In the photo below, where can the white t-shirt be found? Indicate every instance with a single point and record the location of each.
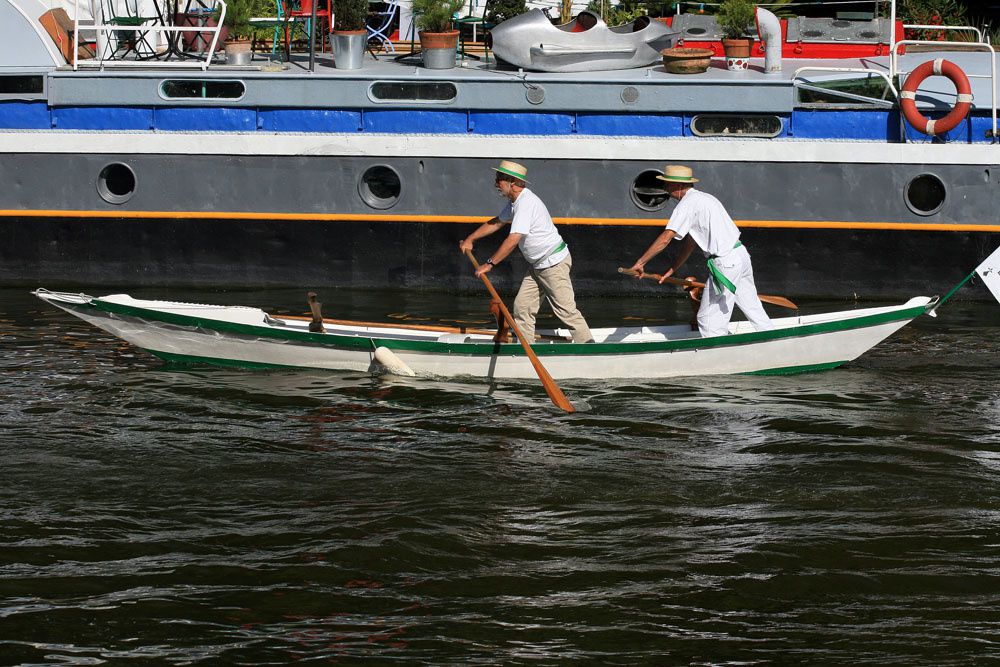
(528, 216)
(703, 216)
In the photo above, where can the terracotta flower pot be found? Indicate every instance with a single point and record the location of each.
(737, 53)
(439, 48)
(681, 60)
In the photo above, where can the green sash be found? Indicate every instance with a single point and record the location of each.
(722, 281)
(556, 249)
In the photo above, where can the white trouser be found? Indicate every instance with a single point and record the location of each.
(717, 302)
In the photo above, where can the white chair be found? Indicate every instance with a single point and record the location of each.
(380, 26)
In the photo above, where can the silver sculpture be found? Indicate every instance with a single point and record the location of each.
(585, 44)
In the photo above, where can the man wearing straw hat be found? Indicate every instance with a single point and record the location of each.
(549, 261)
(700, 219)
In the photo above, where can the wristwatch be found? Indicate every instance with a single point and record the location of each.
(490, 262)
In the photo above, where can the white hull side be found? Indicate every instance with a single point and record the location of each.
(801, 352)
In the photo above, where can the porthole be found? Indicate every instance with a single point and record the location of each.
(22, 85)
(380, 186)
(413, 91)
(648, 192)
(727, 125)
(925, 194)
(116, 183)
(202, 89)
(630, 94)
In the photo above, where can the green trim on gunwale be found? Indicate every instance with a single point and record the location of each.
(507, 349)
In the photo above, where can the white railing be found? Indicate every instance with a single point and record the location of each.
(893, 72)
(184, 59)
(980, 45)
(859, 70)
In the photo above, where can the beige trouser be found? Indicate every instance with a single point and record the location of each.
(554, 282)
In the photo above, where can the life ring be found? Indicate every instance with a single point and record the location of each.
(922, 123)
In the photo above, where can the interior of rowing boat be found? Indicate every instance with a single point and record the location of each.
(440, 333)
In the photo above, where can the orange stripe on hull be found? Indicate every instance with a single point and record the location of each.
(474, 219)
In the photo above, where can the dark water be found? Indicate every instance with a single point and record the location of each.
(180, 515)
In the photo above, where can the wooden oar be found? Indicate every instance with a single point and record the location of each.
(551, 388)
(776, 300)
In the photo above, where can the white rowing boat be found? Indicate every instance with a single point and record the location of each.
(249, 337)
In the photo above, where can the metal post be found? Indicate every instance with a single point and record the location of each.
(312, 37)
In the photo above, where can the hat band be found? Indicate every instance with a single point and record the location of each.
(686, 179)
(511, 173)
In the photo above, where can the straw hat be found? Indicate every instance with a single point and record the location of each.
(513, 169)
(675, 173)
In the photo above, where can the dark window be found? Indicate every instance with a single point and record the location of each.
(925, 194)
(116, 183)
(414, 91)
(202, 89)
(21, 85)
(648, 192)
(380, 187)
(716, 125)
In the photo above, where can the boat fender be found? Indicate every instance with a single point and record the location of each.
(392, 363)
(769, 30)
(938, 66)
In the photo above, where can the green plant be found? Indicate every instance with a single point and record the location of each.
(349, 15)
(238, 13)
(931, 12)
(501, 10)
(625, 12)
(735, 17)
(436, 15)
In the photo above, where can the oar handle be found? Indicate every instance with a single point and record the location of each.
(766, 298)
(657, 277)
(551, 388)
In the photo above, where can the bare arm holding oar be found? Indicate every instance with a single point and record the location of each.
(658, 246)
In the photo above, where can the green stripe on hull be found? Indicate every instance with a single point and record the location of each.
(793, 370)
(229, 363)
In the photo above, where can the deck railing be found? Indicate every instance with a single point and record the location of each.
(977, 45)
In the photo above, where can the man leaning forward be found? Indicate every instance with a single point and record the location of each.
(548, 257)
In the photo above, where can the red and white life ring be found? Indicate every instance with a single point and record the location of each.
(922, 123)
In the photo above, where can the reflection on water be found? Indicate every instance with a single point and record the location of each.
(184, 514)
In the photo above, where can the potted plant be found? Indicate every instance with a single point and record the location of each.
(349, 35)
(734, 18)
(238, 32)
(438, 39)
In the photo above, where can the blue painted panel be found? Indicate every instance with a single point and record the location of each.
(102, 118)
(875, 125)
(25, 116)
(631, 125)
(308, 120)
(205, 119)
(521, 123)
(971, 130)
(980, 126)
(428, 122)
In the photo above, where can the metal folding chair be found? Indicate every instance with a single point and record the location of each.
(380, 26)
